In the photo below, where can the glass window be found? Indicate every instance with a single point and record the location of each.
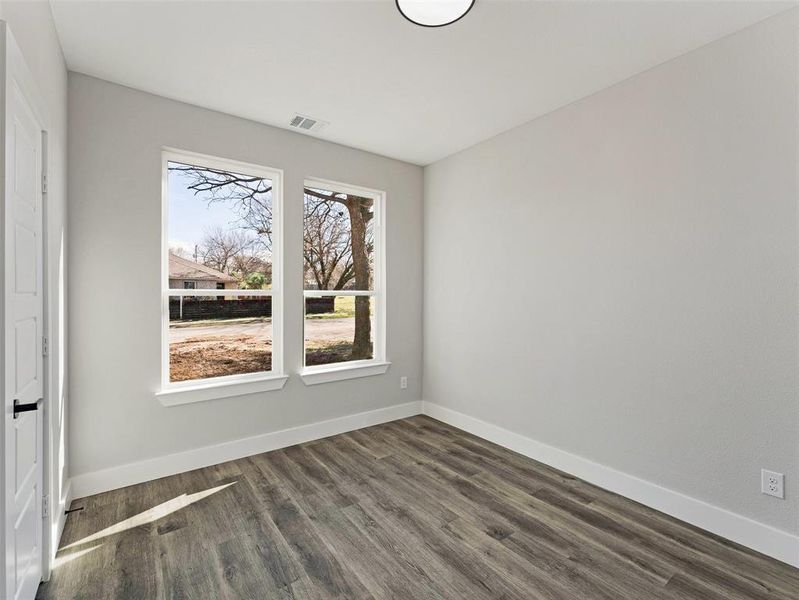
(341, 283)
(220, 235)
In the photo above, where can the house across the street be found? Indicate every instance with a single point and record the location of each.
(189, 275)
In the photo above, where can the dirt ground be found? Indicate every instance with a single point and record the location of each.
(198, 358)
(201, 352)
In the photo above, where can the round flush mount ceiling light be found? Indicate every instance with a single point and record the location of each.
(434, 13)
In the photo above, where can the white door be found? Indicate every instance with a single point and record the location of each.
(23, 300)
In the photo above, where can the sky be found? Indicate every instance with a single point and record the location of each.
(191, 216)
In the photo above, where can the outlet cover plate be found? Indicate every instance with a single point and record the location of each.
(772, 483)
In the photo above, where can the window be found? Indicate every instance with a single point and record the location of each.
(221, 232)
(343, 282)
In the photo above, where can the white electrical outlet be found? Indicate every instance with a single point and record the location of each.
(772, 484)
(403, 383)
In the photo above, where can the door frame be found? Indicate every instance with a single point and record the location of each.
(14, 68)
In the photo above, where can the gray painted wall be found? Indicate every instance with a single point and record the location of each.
(618, 279)
(116, 136)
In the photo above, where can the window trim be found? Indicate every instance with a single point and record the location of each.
(378, 364)
(198, 390)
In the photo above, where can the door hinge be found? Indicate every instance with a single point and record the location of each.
(44, 183)
(45, 506)
(44, 346)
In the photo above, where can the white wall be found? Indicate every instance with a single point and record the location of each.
(618, 279)
(32, 26)
(116, 136)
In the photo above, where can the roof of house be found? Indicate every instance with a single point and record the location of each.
(183, 268)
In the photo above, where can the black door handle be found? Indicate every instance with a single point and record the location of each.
(20, 408)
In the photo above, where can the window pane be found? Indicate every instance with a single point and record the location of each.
(220, 229)
(338, 329)
(214, 336)
(338, 241)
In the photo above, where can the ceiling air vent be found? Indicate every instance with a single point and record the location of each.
(304, 123)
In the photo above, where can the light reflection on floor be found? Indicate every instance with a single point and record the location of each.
(63, 559)
(148, 516)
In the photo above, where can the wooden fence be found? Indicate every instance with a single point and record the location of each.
(199, 309)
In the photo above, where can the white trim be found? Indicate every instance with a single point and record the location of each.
(200, 390)
(112, 478)
(172, 393)
(60, 519)
(342, 371)
(55, 523)
(329, 185)
(763, 538)
(758, 536)
(328, 293)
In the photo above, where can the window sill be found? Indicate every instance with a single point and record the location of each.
(353, 370)
(200, 392)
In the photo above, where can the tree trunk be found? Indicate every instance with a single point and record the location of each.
(359, 216)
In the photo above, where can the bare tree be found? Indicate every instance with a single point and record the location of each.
(336, 252)
(333, 248)
(219, 248)
(250, 197)
(361, 214)
(179, 251)
(327, 244)
(246, 265)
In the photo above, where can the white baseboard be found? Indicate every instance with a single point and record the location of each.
(87, 484)
(760, 537)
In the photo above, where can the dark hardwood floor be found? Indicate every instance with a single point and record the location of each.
(411, 509)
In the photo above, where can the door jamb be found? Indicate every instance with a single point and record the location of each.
(47, 406)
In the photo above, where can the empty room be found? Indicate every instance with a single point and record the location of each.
(400, 299)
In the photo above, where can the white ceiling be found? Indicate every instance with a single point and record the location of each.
(386, 85)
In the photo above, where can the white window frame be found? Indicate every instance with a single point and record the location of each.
(198, 390)
(378, 364)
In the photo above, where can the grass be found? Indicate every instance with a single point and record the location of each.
(344, 307)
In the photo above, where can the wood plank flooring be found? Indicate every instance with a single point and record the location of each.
(411, 509)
